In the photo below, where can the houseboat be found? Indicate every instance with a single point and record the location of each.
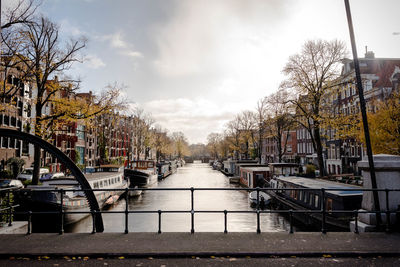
(46, 197)
(255, 176)
(141, 173)
(163, 169)
(337, 198)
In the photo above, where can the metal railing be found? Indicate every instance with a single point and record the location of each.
(7, 207)
(257, 211)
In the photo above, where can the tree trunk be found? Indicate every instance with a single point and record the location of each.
(319, 151)
(36, 155)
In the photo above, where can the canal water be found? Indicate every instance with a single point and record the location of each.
(197, 175)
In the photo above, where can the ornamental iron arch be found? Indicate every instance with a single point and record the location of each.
(94, 205)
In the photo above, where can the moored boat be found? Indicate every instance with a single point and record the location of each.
(142, 173)
(47, 197)
(263, 199)
(163, 169)
(337, 197)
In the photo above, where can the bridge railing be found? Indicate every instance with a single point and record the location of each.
(258, 210)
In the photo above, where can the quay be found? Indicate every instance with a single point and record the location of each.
(185, 245)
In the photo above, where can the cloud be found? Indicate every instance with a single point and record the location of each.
(203, 36)
(94, 62)
(117, 41)
(71, 29)
(195, 118)
(134, 54)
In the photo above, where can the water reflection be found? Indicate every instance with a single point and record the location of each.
(191, 175)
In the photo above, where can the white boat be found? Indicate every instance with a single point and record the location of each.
(40, 198)
(142, 173)
(264, 198)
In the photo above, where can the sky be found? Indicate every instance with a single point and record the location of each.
(193, 65)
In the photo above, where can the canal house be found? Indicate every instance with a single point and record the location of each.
(254, 176)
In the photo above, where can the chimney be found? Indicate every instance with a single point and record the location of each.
(369, 54)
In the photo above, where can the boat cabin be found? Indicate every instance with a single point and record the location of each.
(335, 197)
(254, 176)
(284, 169)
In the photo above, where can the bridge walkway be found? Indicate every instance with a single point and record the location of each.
(139, 245)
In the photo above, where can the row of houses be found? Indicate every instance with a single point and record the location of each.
(107, 138)
(380, 78)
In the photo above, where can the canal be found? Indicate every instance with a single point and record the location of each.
(197, 175)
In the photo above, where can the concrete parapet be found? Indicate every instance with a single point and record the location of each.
(387, 170)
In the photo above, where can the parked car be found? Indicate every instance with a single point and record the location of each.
(4, 183)
(49, 176)
(28, 173)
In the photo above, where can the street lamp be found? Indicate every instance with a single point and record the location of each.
(363, 113)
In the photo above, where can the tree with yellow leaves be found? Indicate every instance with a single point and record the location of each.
(37, 48)
(384, 126)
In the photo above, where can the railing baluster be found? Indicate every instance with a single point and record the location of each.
(126, 210)
(226, 221)
(387, 211)
(159, 221)
(258, 222)
(258, 198)
(323, 210)
(291, 221)
(29, 223)
(192, 210)
(61, 212)
(356, 221)
(9, 209)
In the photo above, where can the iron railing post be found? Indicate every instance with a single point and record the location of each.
(159, 221)
(291, 221)
(323, 210)
(61, 212)
(9, 209)
(258, 222)
(29, 223)
(258, 197)
(387, 211)
(192, 210)
(126, 210)
(225, 221)
(356, 221)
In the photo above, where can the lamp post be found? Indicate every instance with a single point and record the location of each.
(363, 112)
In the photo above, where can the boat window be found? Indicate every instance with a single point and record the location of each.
(301, 195)
(96, 185)
(101, 183)
(305, 196)
(311, 199)
(316, 201)
(119, 179)
(329, 204)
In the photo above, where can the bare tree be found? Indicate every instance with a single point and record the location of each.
(232, 133)
(310, 74)
(141, 124)
(180, 143)
(38, 49)
(279, 120)
(161, 141)
(247, 124)
(213, 140)
(20, 12)
(260, 117)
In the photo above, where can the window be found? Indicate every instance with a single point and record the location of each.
(316, 201)
(311, 199)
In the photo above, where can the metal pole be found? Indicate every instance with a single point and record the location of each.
(364, 114)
